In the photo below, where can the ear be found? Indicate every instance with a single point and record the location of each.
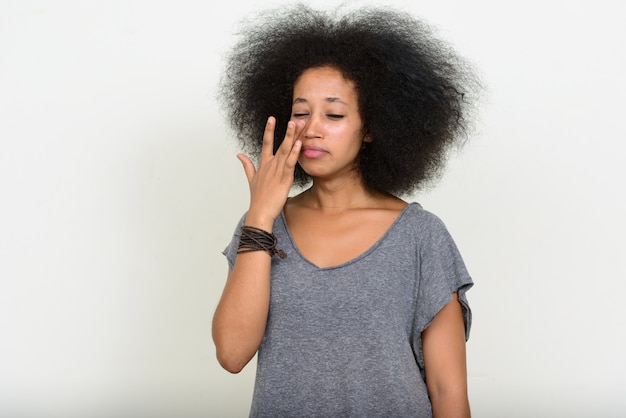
(367, 138)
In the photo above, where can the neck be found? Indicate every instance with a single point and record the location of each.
(324, 196)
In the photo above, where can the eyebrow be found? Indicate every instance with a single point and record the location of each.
(328, 99)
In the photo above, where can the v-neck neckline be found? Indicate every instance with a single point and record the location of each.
(355, 259)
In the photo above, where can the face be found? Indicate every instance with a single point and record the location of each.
(333, 135)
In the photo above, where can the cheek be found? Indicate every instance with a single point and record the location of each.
(357, 139)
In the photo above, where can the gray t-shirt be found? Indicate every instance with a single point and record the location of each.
(345, 341)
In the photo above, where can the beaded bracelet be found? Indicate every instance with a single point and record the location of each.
(256, 239)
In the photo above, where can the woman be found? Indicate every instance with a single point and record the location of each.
(353, 298)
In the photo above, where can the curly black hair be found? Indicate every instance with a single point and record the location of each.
(415, 93)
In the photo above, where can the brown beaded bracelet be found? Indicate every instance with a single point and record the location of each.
(256, 239)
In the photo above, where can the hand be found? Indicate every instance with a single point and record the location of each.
(271, 182)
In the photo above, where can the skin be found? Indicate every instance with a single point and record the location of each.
(333, 222)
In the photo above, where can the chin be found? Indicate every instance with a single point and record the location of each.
(310, 169)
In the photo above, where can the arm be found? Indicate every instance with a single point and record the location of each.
(443, 345)
(240, 318)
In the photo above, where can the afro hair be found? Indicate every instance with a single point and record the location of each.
(415, 93)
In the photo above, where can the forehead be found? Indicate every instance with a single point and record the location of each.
(324, 82)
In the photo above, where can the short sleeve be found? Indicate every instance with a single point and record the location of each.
(441, 271)
(231, 249)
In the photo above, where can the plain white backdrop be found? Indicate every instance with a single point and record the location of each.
(119, 188)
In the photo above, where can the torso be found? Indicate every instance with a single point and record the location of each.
(345, 339)
(330, 237)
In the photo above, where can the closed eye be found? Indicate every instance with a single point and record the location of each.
(335, 116)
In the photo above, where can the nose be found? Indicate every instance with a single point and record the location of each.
(312, 127)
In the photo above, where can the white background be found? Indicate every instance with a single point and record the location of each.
(119, 188)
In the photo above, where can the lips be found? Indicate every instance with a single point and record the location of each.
(313, 152)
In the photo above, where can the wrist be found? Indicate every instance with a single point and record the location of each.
(265, 223)
(256, 239)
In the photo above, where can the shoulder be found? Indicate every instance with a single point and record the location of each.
(424, 228)
(421, 218)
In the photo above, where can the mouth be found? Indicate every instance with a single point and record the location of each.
(313, 152)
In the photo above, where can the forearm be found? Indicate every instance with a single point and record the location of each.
(241, 315)
(451, 405)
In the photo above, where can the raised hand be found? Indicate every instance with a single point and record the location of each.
(271, 182)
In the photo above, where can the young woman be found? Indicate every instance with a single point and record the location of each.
(353, 298)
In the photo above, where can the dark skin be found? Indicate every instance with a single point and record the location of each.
(334, 221)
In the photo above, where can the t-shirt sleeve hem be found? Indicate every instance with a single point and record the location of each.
(461, 291)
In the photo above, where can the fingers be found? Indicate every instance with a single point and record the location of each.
(287, 144)
(289, 151)
(267, 150)
(248, 166)
(294, 129)
(286, 149)
(292, 158)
